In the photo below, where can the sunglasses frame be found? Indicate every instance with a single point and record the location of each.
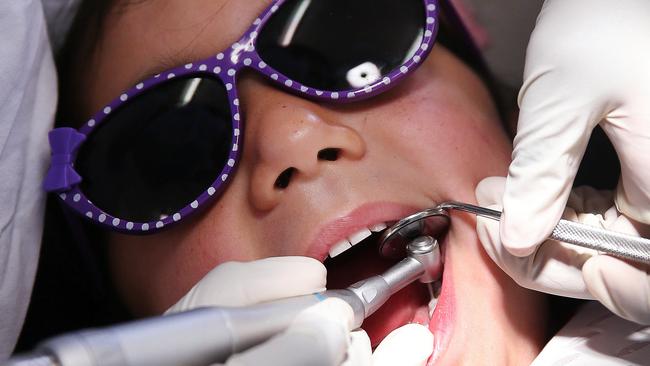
(225, 65)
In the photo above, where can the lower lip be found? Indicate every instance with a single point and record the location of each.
(442, 319)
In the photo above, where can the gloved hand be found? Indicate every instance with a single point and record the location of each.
(568, 270)
(587, 63)
(320, 335)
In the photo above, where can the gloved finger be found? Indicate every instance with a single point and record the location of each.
(556, 118)
(247, 283)
(622, 287)
(360, 350)
(408, 345)
(553, 268)
(318, 336)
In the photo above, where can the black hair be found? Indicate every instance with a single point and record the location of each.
(80, 44)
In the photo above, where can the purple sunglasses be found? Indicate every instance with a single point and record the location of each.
(178, 133)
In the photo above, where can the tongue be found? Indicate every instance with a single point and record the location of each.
(363, 261)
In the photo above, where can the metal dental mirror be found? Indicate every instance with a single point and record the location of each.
(435, 221)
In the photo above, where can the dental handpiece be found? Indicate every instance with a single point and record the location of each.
(211, 334)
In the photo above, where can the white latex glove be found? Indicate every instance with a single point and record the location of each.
(408, 345)
(568, 270)
(249, 283)
(588, 62)
(320, 335)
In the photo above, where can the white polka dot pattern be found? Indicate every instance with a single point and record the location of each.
(225, 66)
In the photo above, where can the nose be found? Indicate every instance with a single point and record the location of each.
(290, 140)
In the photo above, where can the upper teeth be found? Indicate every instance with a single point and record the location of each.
(355, 238)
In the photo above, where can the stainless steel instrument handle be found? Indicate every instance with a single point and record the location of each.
(621, 245)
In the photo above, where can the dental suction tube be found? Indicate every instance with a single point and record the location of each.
(211, 334)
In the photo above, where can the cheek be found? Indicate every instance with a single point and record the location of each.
(453, 135)
(152, 272)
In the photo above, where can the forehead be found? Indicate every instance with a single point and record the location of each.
(176, 27)
(142, 38)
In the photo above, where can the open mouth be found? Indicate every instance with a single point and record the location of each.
(357, 257)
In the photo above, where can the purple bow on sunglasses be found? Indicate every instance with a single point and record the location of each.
(169, 145)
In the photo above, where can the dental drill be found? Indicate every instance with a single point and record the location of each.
(208, 335)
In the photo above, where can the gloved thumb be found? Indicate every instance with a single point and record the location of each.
(554, 268)
(408, 345)
(247, 283)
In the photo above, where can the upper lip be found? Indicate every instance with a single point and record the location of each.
(342, 227)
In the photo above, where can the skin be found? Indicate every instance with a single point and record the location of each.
(430, 139)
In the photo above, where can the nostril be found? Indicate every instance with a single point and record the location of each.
(329, 154)
(283, 180)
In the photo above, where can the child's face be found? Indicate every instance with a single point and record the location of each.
(430, 139)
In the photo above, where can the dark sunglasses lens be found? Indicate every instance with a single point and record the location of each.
(341, 44)
(158, 152)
